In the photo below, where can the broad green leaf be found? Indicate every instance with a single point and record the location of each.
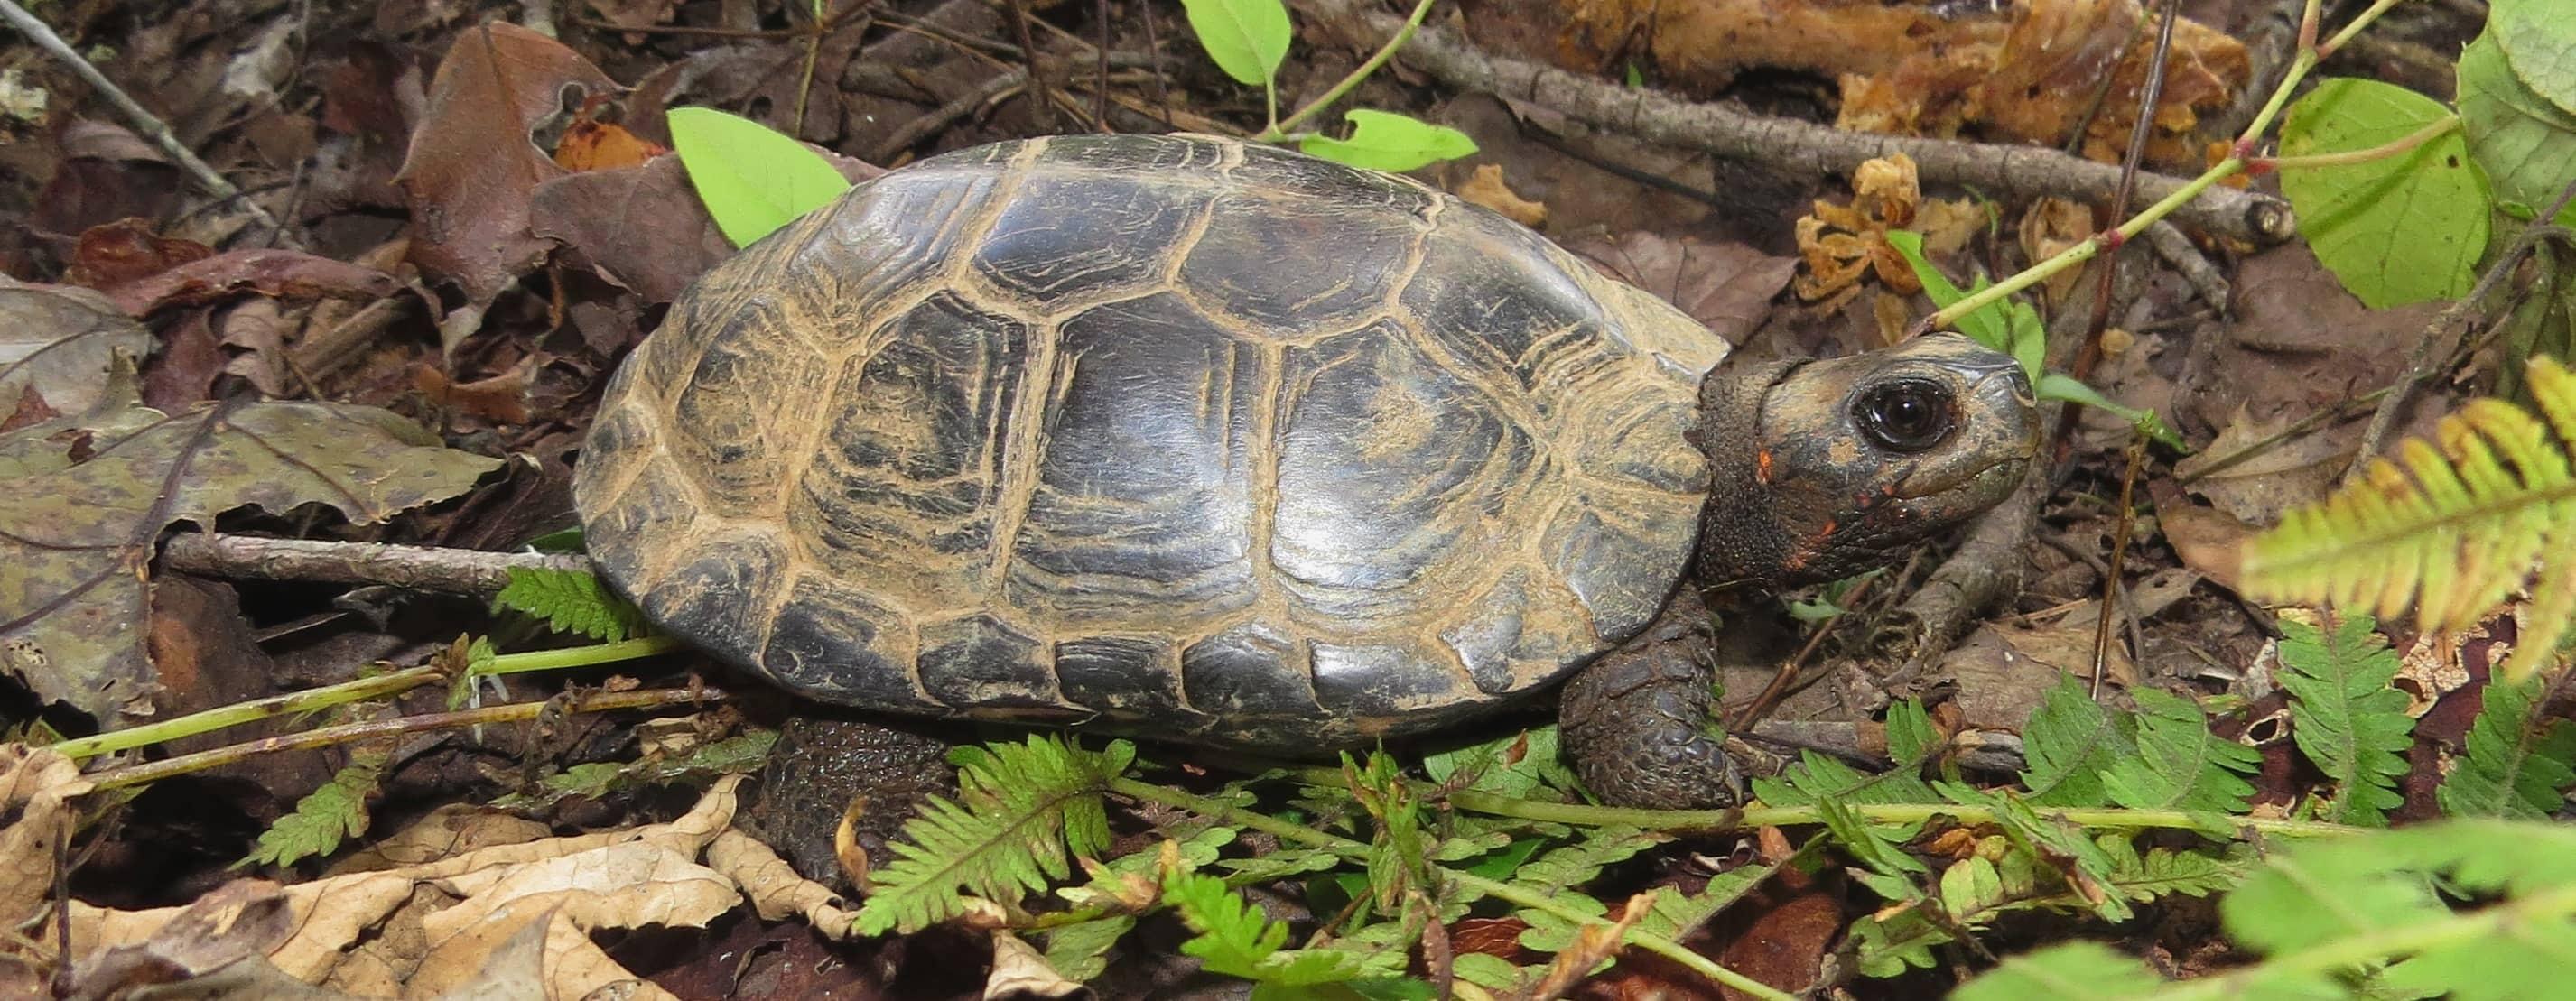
(2524, 142)
(2060, 386)
(1245, 38)
(2540, 43)
(1383, 140)
(2396, 230)
(753, 180)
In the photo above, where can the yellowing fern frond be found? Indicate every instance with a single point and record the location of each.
(2448, 531)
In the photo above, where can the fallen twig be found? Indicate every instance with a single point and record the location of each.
(2005, 171)
(143, 120)
(457, 571)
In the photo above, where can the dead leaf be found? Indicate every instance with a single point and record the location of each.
(773, 886)
(451, 830)
(2050, 226)
(127, 250)
(1020, 971)
(59, 342)
(500, 399)
(254, 333)
(1486, 187)
(592, 144)
(1726, 286)
(280, 274)
(472, 168)
(240, 921)
(183, 373)
(2283, 475)
(37, 790)
(633, 13)
(2000, 671)
(72, 562)
(643, 227)
(2208, 541)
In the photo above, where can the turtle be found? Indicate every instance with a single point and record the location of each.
(1208, 441)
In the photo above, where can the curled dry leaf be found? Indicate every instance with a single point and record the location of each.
(1841, 243)
(236, 925)
(281, 274)
(773, 886)
(72, 558)
(57, 342)
(37, 790)
(372, 933)
(1020, 971)
(472, 169)
(1727, 286)
(1486, 187)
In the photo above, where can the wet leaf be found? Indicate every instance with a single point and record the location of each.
(2523, 141)
(58, 342)
(2396, 230)
(78, 538)
(752, 179)
(1245, 38)
(1384, 140)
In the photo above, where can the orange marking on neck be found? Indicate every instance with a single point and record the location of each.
(1762, 465)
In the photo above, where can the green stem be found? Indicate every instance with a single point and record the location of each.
(1356, 851)
(1906, 813)
(2431, 131)
(1278, 129)
(346, 692)
(2300, 66)
(149, 772)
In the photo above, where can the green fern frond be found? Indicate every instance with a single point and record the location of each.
(2070, 743)
(1911, 741)
(2344, 715)
(1235, 939)
(2180, 765)
(571, 601)
(2450, 531)
(2517, 760)
(323, 817)
(1022, 812)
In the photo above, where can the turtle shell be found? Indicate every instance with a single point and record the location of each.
(1183, 435)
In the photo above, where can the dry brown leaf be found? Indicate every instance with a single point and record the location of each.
(279, 274)
(256, 331)
(1486, 187)
(2283, 475)
(1020, 971)
(451, 830)
(1726, 286)
(37, 787)
(2050, 226)
(773, 886)
(472, 169)
(500, 399)
(1840, 243)
(127, 250)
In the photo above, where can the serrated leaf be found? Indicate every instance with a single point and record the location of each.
(2343, 714)
(1080, 951)
(736, 755)
(2087, 970)
(2069, 743)
(1523, 765)
(752, 179)
(2516, 763)
(1817, 777)
(571, 601)
(322, 818)
(1236, 939)
(2077, 861)
(1384, 140)
(1022, 811)
(2540, 44)
(1888, 945)
(1245, 38)
(2395, 230)
(78, 537)
(2180, 765)
(2524, 141)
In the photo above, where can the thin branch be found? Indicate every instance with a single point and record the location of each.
(458, 571)
(2003, 171)
(143, 120)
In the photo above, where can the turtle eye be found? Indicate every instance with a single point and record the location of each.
(1906, 415)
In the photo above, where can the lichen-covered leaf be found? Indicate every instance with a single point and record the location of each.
(75, 541)
(58, 343)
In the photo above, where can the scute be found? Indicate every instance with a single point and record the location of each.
(1185, 435)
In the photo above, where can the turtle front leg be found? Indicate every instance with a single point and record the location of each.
(1636, 722)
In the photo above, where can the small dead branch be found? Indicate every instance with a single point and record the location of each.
(2019, 172)
(1986, 569)
(143, 120)
(2205, 279)
(458, 571)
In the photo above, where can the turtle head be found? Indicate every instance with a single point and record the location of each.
(1824, 469)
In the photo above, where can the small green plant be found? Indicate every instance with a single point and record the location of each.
(1248, 39)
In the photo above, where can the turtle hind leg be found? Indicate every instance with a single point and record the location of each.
(1637, 722)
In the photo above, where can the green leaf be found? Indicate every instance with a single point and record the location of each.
(2517, 760)
(2010, 326)
(1236, 939)
(2540, 43)
(752, 179)
(2059, 386)
(2396, 230)
(1911, 741)
(1522, 765)
(2180, 765)
(1383, 140)
(1245, 38)
(322, 818)
(2069, 743)
(734, 755)
(1080, 951)
(2344, 716)
(2087, 970)
(572, 601)
(2522, 140)
(1022, 810)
